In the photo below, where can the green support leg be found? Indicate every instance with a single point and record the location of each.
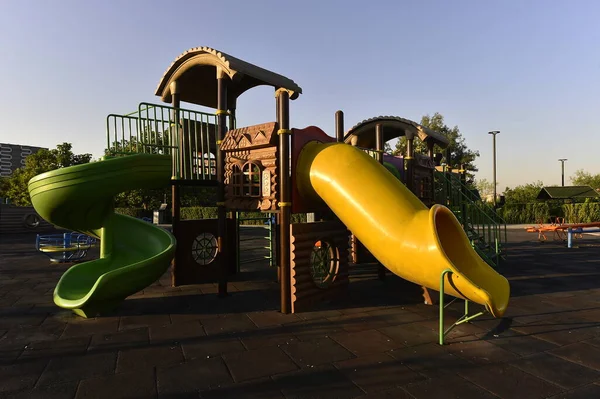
(465, 318)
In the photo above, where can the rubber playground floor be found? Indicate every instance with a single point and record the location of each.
(380, 342)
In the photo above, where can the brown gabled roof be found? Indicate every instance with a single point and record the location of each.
(363, 133)
(196, 73)
(567, 192)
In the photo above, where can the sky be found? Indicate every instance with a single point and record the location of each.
(529, 69)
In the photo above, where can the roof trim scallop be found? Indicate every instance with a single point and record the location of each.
(196, 72)
(363, 133)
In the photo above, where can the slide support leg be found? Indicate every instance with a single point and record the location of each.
(465, 318)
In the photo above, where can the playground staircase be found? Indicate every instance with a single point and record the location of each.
(484, 227)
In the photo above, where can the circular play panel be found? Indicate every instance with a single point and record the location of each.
(324, 261)
(204, 248)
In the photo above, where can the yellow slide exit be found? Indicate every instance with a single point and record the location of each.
(414, 242)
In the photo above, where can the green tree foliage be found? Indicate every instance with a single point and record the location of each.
(149, 142)
(15, 186)
(485, 188)
(583, 178)
(460, 154)
(388, 148)
(147, 199)
(523, 194)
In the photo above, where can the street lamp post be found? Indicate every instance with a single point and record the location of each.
(562, 161)
(494, 133)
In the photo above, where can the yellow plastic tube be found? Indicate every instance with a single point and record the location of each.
(414, 242)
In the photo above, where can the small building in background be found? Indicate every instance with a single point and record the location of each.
(567, 193)
(12, 156)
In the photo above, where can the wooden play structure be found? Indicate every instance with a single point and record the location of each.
(252, 171)
(360, 197)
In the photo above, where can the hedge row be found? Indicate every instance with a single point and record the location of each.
(535, 212)
(206, 212)
(525, 213)
(582, 213)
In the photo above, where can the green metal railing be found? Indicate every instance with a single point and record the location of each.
(269, 236)
(485, 229)
(465, 318)
(188, 135)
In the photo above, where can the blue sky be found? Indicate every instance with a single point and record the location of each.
(527, 68)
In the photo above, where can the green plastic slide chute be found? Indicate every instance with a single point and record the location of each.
(133, 253)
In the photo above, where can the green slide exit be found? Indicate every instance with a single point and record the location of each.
(133, 253)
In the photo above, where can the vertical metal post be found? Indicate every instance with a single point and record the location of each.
(463, 202)
(237, 241)
(339, 126)
(66, 244)
(175, 188)
(232, 121)
(222, 221)
(441, 327)
(409, 160)
(271, 223)
(494, 133)
(283, 119)
(430, 154)
(381, 270)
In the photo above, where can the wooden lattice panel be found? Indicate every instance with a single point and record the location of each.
(307, 241)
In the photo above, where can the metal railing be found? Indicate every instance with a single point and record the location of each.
(188, 136)
(268, 236)
(484, 227)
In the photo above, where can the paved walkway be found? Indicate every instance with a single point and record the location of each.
(379, 343)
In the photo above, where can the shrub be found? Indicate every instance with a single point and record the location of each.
(526, 213)
(135, 212)
(586, 212)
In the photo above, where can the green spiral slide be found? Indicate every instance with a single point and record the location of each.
(133, 253)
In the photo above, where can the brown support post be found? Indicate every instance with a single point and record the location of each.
(175, 189)
(283, 119)
(339, 126)
(430, 153)
(222, 221)
(409, 160)
(381, 270)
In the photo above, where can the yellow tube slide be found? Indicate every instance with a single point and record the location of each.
(414, 242)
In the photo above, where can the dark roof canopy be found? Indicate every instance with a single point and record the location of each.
(567, 192)
(196, 74)
(363, 133)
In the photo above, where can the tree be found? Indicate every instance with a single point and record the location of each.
(460, 154)
(388, 148)
(524, 193)
(485, 188)
(583, 178)
(15, 186)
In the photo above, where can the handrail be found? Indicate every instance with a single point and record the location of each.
(475, 216)
(189, 136)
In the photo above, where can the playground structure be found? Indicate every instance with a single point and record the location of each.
(21, 219)
(272, 168)
(65, 247)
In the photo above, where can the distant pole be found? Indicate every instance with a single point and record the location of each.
(562, 161)
(494, 133)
